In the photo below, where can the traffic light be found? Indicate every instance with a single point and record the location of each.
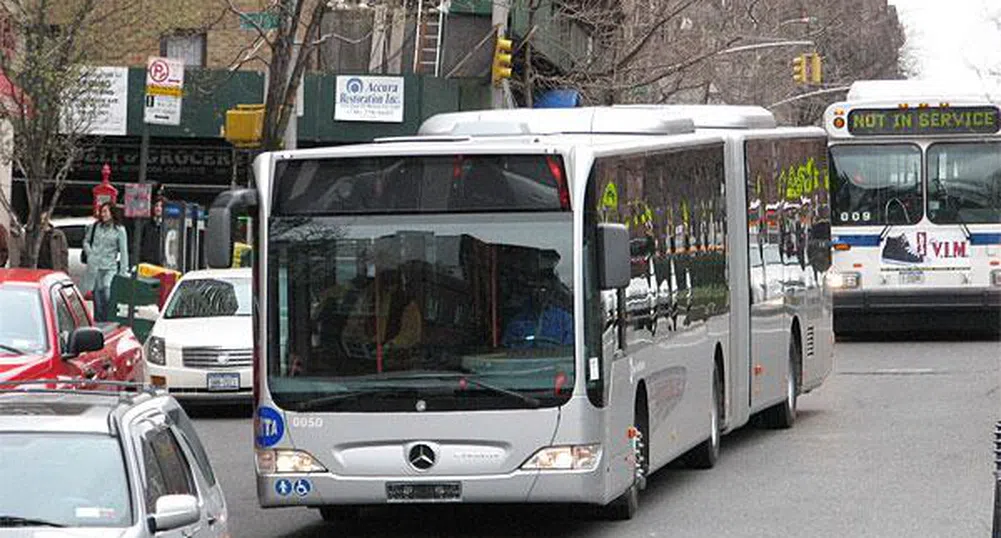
(502, 60)
(799, 69)
(815, 69)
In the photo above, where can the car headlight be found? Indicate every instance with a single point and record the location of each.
(565, 458)
(156, 352)
(996, 277)
(287, 462)
(848, 280)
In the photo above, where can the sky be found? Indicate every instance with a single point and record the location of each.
(951, 39)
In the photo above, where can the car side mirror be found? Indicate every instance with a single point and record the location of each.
(174, 512)
(613, 254)
(84, 339)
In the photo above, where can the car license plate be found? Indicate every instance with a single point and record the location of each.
(220, 381)
(911, 277)
(412, 492)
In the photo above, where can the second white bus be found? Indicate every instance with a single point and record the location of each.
(916, 195)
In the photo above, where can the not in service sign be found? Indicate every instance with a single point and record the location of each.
(369, 99)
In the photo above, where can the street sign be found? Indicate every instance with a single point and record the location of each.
(164, 87)
(137, 200)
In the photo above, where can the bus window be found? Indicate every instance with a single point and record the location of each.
(964, 183)
(876, 184)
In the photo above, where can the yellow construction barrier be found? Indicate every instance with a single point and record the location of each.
(148, 270)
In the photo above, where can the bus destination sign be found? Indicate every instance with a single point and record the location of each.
(924, 121)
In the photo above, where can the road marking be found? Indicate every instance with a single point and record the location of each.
(895, 371)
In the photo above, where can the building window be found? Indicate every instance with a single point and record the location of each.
(186, 46)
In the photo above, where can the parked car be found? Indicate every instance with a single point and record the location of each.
(47, 332)
(74, 228)
(104, 463)
(201, 346)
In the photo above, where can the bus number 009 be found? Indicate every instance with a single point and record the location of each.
(856, 216)
(307, 422)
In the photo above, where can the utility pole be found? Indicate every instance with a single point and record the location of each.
(499, 20)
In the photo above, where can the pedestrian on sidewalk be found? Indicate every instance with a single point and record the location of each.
(54, 251)
(150, 251)
(105, 245)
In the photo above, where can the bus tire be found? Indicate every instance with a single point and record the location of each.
(343, 515)
(706, 454)
(783, 414)
(624, 506)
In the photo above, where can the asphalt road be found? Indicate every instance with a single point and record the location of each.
(898, 442)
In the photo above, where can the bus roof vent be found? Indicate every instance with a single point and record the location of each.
(718, 116)
(931, 91)
(527, 121)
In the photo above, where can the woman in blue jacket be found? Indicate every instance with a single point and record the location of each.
(105, 245)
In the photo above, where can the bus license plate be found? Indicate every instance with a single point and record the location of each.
(404, 492)
(223, 381)
(911, 277)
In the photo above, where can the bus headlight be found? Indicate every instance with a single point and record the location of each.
(565, 458)
(846, 281)
(996, 277)
(287, 462)
(156, 352)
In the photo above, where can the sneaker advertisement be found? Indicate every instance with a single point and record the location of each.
(935, 249)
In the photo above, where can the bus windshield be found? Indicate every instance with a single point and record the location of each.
(405, 310)
(876, 184)
(964, 183)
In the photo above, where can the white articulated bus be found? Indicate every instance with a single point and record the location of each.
(916, 197)
(527, 306)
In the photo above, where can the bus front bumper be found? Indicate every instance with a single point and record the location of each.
(893, 309)
(326, 489)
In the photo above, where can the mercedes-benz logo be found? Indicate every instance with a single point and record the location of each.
(421, 457)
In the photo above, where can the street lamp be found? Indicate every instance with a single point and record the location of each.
(771, 45)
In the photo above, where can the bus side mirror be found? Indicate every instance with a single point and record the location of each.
(613, 251)
(219, 230)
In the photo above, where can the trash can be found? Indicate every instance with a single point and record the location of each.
(146, 294)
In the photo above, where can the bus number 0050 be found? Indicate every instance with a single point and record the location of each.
(307, 422)
(864, 216)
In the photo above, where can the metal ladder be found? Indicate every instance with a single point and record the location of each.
(427, 41)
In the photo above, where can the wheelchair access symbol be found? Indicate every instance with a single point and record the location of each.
(302, 487)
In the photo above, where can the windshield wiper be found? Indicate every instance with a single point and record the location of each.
(312, 405)
(18, 521)
(12, 349)
(473, 378)
(959, 217)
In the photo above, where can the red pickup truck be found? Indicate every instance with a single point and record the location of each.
(47, 332)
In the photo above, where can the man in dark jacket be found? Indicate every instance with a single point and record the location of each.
(149, 250)
(54, 250)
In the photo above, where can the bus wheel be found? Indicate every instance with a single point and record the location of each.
(705, 455)
(340, 514)
(783, 415)
(625, 506)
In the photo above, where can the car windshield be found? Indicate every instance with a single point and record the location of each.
(964, 183)
(24, 333)
(70, 480)
(210, 297)
(876, 184)
(403, 303)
